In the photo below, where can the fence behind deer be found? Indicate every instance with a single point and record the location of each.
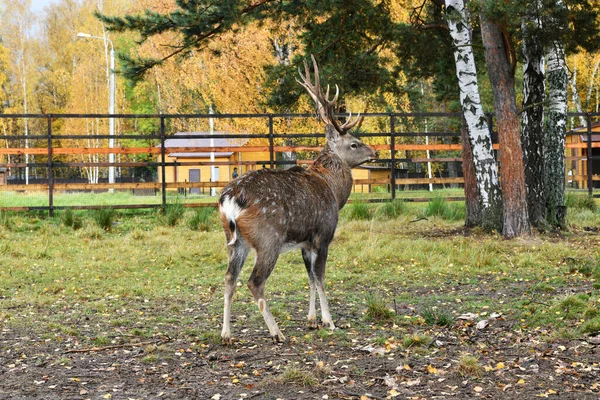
(50, 162)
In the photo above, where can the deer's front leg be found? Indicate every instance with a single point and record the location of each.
(319, 271)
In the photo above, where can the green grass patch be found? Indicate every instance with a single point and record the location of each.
(377, 309)
(469, 366)
(359, 210)
(433, 315)
(297, 376)
(415, 340)
(174, 212)
(203, 219)
(580, 201)
(438, 206)
(392, 209)
(104, 218)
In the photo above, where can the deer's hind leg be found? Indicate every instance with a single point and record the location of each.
(309, 256)
(265, 263)
(237, 254)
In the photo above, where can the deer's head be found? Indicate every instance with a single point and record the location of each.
(351, 150)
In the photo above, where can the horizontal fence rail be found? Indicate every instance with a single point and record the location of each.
(72, 154)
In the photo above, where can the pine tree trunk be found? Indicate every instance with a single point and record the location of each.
(485, 169)
(514, 194)
(532, 135)
(554, 145)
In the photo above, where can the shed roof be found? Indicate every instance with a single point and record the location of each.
(180, 139)
(582, 130)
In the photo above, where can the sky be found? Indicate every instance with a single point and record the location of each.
(38, 5)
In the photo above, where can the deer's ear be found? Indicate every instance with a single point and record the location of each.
(331, 133)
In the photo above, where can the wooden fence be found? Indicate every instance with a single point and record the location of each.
(397, 147)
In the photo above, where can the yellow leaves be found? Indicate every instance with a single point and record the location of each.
(432, 370)
(547, 393)
(521, 381)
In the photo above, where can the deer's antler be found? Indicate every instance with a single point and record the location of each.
(325, 107)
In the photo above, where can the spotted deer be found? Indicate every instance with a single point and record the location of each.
(274, 211)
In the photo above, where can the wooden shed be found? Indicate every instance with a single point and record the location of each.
(3, 175)
(195, 165)
(577, 153)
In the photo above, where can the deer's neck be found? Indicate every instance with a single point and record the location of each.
(336, 173)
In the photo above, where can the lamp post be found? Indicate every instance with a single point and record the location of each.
(111, 102)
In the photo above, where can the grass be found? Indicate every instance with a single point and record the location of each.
(202, 219)
(174, 212)
(392, 209)
(433, 315)
(297, 376)
(438, 206)
(360, 210)
(580, 201)
(104, 218)
(377, 309)
(144, 277)
(469, 366)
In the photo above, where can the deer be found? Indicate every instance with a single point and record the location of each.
(274, 211)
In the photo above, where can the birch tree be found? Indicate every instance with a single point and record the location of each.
(556, 126)
(480, 141)
(532, 117)
(16, 26)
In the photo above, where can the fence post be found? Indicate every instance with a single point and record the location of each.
(50, 172)
(589, 155)
(163, 172)
(271, 143)
(393, 154)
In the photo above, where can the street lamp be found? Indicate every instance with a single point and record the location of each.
(111, 102)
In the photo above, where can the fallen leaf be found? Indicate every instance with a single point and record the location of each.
(478, 389)
(482, 324)
(390, 381)
(467, 316)
(432, 370)
(500, 365)
(594, 340)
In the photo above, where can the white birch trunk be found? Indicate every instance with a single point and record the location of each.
(554, 153)
(576, 98)
(486, 172)
(591, 85)
(532, 132)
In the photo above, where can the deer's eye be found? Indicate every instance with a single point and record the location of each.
(354, 145)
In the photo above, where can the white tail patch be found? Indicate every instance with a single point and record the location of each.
(232, 211)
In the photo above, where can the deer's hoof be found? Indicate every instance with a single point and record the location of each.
(312, 324)
(227, 340)
(278, 338)
(328, 325)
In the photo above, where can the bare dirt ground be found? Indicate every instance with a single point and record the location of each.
(360, 360)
